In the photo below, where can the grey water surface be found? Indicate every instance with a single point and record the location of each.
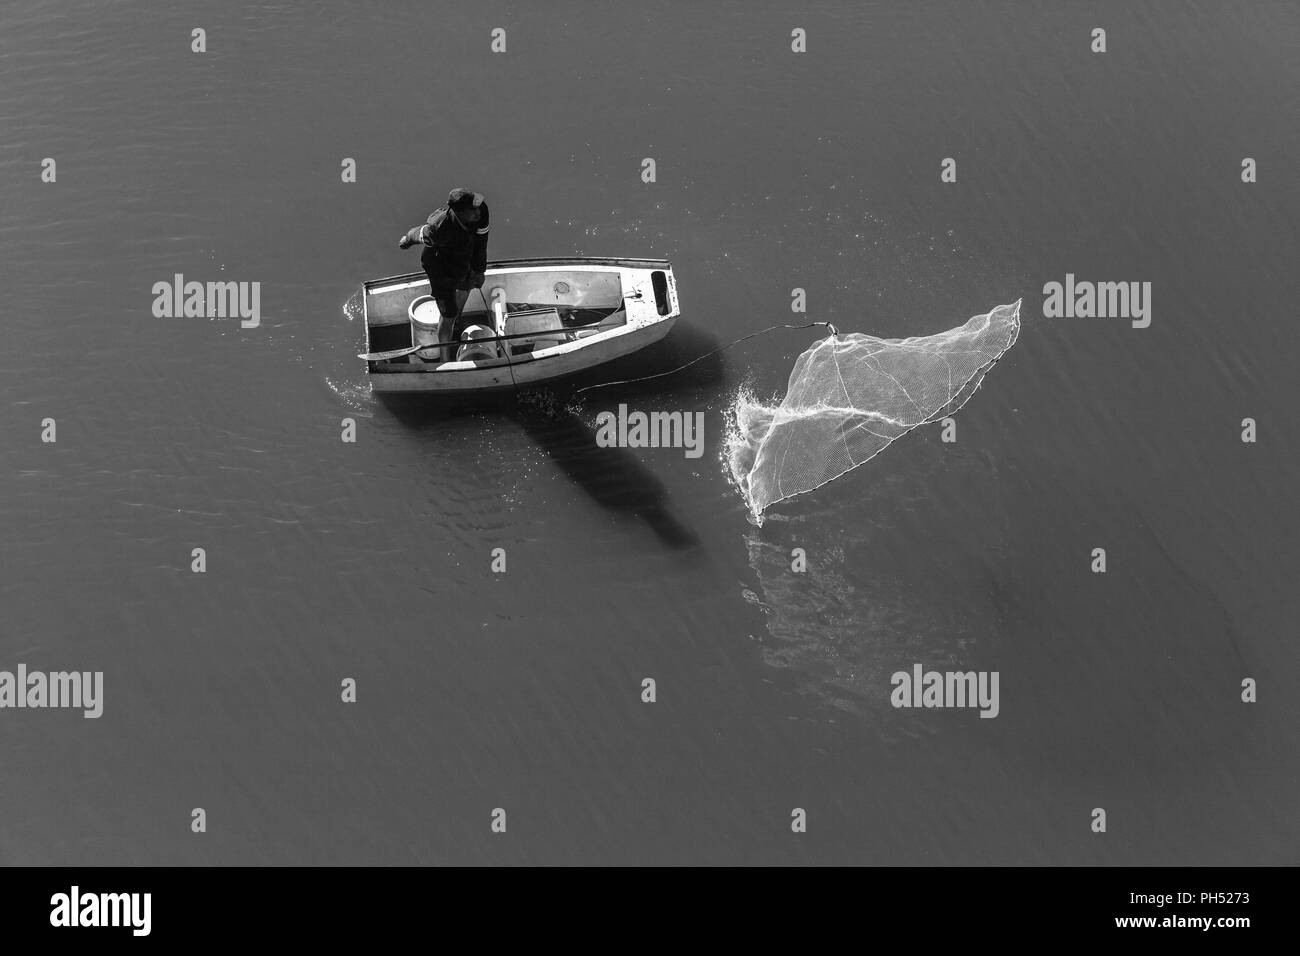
(522, 691)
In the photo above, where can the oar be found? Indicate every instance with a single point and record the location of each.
(395, 353)
(599, 326)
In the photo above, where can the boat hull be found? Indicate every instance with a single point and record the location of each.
(612, 308)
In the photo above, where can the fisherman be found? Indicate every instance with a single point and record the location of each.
(455, 242)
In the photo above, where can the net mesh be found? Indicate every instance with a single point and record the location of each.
(850, 396)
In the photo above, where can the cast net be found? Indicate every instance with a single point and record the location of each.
(851, 395)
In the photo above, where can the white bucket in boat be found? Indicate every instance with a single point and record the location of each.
(425, 319)
(472, 351)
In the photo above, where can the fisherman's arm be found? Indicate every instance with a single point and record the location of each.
(419, 235)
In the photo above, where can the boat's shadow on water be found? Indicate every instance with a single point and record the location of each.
(615, 478)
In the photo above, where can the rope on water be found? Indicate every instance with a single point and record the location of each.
(720, 348)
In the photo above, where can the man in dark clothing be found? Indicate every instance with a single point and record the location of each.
(455, 242)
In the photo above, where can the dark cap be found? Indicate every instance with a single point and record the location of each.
(462, 198)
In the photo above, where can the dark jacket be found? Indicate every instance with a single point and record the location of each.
(453, 252)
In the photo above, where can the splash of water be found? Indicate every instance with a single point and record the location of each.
(356, 396)
(354, 307)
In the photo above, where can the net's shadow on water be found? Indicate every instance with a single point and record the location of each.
(960, 561)
(881, 587)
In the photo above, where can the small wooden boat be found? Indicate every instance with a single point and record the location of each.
(533, 321)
